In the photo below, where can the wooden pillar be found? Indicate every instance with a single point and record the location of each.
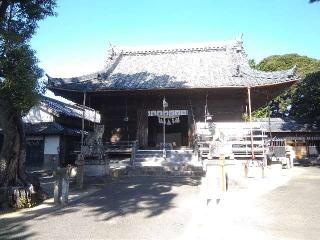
(80, 160)
(191, 123)
(62, 150)
(306, 142)
(142, 127)
(83, 116)
(223, 179)
(250, 120)
(190, 132)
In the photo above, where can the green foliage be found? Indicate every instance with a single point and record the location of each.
(282, 105)
(304, 64)
(306, 99)
(22, 198)
(264, 112)
(19, 73)
(19, 18)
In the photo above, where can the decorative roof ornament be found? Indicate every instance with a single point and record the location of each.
(294, 72)
(238, 46)
(294, 69)
(240, 38)
(237, 71)
(111, 52)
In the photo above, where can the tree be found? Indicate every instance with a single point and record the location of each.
(281, 105)
(19, 75)
(304, 64)
(312, 1)
(305, 103)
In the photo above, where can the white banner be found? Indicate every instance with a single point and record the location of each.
(170, 113)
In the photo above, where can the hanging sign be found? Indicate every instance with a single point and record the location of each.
(167, 113)
(169, 117)
(168, 120)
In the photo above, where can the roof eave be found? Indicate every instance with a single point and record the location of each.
(53, 88)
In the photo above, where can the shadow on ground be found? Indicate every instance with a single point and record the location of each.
(15, 231)
(128, 196)
(150, 195)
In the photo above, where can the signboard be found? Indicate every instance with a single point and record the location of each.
(167, 113)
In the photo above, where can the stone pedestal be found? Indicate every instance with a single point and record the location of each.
(61, 185)
(80, 171)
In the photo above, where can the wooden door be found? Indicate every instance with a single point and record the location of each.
(34, 153)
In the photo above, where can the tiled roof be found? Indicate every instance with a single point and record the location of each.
(206, 65)
(286, 125)
(69, 110)
(50, 128)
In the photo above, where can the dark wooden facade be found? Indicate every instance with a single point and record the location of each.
(115, 110)
(125, 113)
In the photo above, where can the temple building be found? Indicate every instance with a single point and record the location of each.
(302, 137)
(53, 132)
(197, 81)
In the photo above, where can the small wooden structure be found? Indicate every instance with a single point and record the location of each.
(303, 138)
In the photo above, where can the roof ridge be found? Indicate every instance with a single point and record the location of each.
(171, 48)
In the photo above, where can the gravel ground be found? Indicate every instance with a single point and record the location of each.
(285, 207)
(133, 208)
(281, 206)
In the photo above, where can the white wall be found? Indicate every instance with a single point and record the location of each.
(36, 115)
(51, 144)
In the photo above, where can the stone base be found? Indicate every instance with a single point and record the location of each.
(95, 170)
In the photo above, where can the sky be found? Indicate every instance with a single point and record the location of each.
(75, 42)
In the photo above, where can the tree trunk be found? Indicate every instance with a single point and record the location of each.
(10, 154)
(13, 153)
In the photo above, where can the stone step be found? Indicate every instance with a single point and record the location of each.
(170, 159)
(148, 164)
(146, 159)
(187, 157)
(155, 152)
(149, 154)
(160, 153)
(155, 157)
(164, 171)
(169, 166)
